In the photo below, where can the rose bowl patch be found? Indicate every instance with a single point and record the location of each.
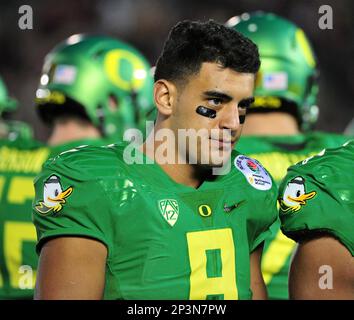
(254, 172)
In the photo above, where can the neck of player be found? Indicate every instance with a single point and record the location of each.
(66, 130)
(182, 173)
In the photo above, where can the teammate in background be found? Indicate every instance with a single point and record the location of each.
(11, 129)
(91, 88)
(105, 81)
(15, 183)
(114, 230)
(317, 210)
(277, 131)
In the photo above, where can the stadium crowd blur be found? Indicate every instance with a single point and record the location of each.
(145, 24)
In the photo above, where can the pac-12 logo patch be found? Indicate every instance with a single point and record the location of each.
(295, 195)
(255, 174)
(54, 197)
(169, 210)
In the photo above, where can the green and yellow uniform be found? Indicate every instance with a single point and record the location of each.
(287, 82)
(20, 162)
(164, 240)
(317, 195)
(277, 153)
(102, 79)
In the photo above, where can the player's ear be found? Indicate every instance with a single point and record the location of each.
(164, 95)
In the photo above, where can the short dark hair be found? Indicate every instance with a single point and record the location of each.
(190, 43)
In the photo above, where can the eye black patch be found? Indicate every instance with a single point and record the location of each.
(206, 112)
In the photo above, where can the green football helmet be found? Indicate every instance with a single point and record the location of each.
(104, 79)
(7, 104)
(287, 79)
(11, 129)
(14, 130)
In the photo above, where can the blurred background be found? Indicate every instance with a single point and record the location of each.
(146, 23)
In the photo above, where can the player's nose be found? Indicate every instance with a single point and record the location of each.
(230, 118)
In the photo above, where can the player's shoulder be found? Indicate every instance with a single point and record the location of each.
(87, 162)
(319, 139)
(22, 155)
(22, 144)
(326, 162)
(316, 195)
(330, 171)
(251, 172)
(249, 179)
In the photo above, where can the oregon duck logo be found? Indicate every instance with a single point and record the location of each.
(53, 196)
(295, 195)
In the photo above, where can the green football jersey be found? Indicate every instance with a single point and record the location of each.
(277, 153)
(165, 240)
(317, 195)
(20, 162)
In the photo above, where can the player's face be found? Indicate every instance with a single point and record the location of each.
(224, 92)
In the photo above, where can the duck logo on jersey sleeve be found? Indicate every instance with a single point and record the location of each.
(295, 195)
(255, 174)
(169, 210)
(54, 197)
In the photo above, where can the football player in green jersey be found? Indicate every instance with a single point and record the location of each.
(277, 129)
(317, 210)
(117, 75)
(21, 158)
(89, 89)
(11, 129)
(164, 230)
(20, 161)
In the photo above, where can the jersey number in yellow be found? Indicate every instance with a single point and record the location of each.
(212, 262)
